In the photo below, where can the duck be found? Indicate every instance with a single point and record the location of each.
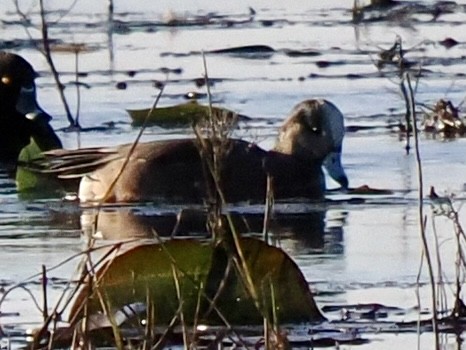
(21, 117)
(176, 170)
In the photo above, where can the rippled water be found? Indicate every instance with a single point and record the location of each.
(349, 253)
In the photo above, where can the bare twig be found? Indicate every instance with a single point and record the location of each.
(131, 150)
(44, 293)
(421, 211)
(268, 208)
(48, 56)
(219, 147)
(78, 88)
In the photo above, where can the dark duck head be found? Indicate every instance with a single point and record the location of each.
(21, 118)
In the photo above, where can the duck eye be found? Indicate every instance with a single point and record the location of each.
(6, 80)
(313, 124)
(315, 129)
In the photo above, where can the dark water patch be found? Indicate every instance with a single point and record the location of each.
(112, 72)
(106, 127)
(301, 53)
(9, 314)
(7, 187)
(448, 42)
(352, 312)
(4, 283)
(200, 82)
(247, 51)
(27, 43)
(121, 85)
(359, 128)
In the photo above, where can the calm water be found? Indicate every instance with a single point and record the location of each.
(362, 253)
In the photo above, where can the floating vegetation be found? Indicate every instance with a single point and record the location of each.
(185, 114)
(444, 118)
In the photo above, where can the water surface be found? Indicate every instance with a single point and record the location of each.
(362, 253)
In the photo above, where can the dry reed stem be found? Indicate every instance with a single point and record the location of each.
(199, 288)
(131, 150)
(44, 293)
(214, 168)
(48, 56)
(269, 202)
(421, 211)
(441, 293)
(196, 313)
(46, 52)
(102, 201)
(221, 287)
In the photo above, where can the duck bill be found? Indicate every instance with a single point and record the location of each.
(27, 105)
(332, 163)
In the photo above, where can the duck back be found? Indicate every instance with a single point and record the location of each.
(176, 170)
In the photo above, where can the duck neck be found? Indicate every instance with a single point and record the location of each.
(298, 153)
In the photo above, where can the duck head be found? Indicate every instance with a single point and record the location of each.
(313, 132)
(21, 118)
(17, 87)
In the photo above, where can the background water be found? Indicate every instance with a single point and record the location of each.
(365, 253)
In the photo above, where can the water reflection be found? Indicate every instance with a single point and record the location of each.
(314, 231)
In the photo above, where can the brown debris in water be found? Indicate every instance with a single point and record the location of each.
(444, 119)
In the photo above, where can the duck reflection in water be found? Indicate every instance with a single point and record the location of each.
(314, 231)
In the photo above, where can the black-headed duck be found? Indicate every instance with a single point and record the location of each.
(20, 116)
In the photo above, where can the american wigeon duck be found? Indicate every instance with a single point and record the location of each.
(20, 116)
(310, 138)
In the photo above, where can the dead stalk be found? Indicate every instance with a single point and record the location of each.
(48, 56)
(176, 279)
(441, 294)
(196, 314)
(106, 308)
(78, 88)
(44, 293)
(149, 326)
(199, 287)
(116, 331)
(269, 201)
(445, 207)
(214, 168)
(130, 152)
(221, 286)
(160, 343)
(421, 211)
(418, 299)
(213, 158)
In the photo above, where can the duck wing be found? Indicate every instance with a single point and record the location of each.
(70, 164)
